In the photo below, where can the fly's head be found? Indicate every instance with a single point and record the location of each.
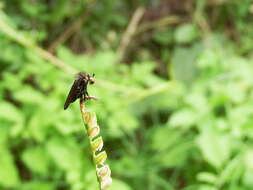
(90, 78)
(87, 78)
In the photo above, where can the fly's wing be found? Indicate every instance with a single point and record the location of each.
(73, 93)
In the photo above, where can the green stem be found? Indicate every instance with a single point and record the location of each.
(103, 171)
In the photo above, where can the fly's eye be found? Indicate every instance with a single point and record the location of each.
(91, 79)
(86, 78)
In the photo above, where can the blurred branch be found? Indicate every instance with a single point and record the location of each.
(150, 92)
(20, 39)
(173, 19)
(127, 36)
(72, 28)
(199, 17)
(133, 29)
(138, 94)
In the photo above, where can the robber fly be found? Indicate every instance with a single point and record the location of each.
(79, 88)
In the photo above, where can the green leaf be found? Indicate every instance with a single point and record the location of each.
(164, 37)
(171, 146)
(207, 187)
(118, 184)
(61, 11)
(232, 172)
(65, 153)
(8, 172)
(164, 138)
(29, 95)
(11, 81)
(142, 73)
(33, 9)
(207, 177)
(37, 128)
(10, 112)
(198, 101)
(183, 118)
(177, 155)
(184, 62)
(186, 33)
(248, 159)
(215, 147)
(121, 120)
(38, 185)
(4, 132)
(36, 159)
(247, 178)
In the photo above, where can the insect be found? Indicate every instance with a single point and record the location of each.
(79, 88)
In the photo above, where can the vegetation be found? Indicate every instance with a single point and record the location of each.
(174, 82)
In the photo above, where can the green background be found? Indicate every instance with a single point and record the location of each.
(175, 105)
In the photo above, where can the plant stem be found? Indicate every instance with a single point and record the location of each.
(103, 171)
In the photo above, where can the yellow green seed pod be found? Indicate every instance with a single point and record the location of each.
(103, 171)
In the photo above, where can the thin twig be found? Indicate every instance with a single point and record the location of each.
(168, 20)
(127, 36)
(199, 17)
(72, 28)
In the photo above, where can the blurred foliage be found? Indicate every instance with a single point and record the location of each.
(176, 114)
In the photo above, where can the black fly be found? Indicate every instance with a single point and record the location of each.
(79, 88)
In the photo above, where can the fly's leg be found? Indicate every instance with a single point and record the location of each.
(86, 95)
(82, 98)
(89, 97)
